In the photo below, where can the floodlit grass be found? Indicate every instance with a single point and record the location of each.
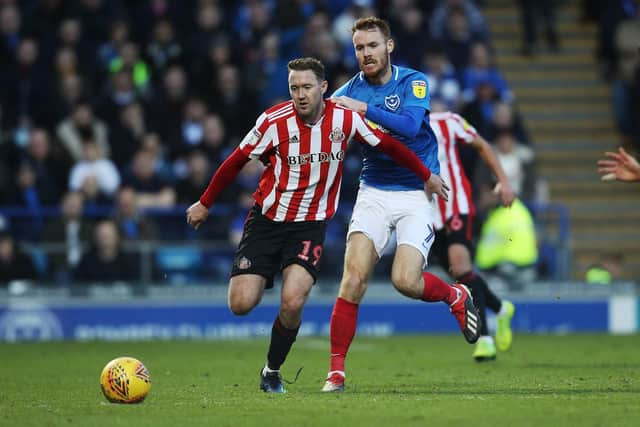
(581, 380)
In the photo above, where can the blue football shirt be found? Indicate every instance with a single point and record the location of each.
(406, 88)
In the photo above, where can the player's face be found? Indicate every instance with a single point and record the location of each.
(372, 52)
(307, 94)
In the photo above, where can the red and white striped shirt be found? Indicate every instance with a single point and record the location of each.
(450, 128)
(304, 162)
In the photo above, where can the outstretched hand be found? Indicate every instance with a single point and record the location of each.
(435, 185)
(197, 214)
(507, 195)
(620, 166)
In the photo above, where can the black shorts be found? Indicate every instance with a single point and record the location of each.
(268, 247)
(457, 230)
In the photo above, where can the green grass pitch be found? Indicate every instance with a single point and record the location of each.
(576, 380)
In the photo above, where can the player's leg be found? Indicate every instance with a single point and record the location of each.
(300, 258)
(460, 266)
(359, 260)
(255, 262)
(415, 236)
(296, 285)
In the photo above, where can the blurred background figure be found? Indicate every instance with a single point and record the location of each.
(607, 270)
(132, 224)
(72, 231)
(105, 262)
(534, 14)
(14, 265)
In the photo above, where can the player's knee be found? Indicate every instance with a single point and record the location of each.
(403, 281)
(353, 285)
(240, 306)
(292, 306)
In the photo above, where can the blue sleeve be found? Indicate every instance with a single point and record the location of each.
(406, 122)
(342, 90)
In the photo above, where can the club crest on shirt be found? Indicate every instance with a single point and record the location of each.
(419, 88)
(392, 102)
(243, 263)
(337, 135)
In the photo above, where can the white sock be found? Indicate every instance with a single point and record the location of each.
(266, 369)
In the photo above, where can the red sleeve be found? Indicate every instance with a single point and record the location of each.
(225, 174)
(402, 155)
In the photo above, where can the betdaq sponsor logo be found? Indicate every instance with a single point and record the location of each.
(321, 157)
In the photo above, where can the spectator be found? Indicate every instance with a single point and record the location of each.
(481, 69)
(164, 48)
(70, 229)
(214, 142)
(95, 176)
(230, 103)
(195, 110)
(168, 106)
(131, 223)
(517, 162)
(118, 36)
(442, 77)
(608, 269)
(129, 61)
(126, 135)
(105, 262)
(14, 265)
(151, 190)
(506, 118)
(82, 122)
(24, 85)
(10, 34)
(628, 64)
(50, 165)
(473, 16)
(458, 38)
(507, 244)
(411, 32)
(199, 170)
(532, 11)
(119, 93)
(209, 21)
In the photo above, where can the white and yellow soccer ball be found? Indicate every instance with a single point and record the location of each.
(125, 380)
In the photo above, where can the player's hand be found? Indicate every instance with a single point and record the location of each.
(350, 103)
(506, 193)
(197, 214)
(620, 166)
(435, 185)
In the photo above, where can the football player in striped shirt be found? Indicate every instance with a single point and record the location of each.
(302, 142)
(452, 246)
(396, 99)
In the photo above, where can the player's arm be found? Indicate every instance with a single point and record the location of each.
(406, 122)
(400, 154)
(488, 156)
(226, 173)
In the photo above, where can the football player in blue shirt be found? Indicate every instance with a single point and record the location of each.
(395, 99)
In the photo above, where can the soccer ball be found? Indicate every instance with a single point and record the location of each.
(125, 380)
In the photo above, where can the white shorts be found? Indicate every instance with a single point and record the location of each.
(377, 213)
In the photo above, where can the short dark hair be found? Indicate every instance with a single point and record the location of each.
(303, 64)
(372, 23)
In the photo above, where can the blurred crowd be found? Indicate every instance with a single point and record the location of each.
(618, 43)
(114, 114)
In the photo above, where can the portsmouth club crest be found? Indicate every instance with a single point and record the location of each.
(419, 88)
(392, 102)
(337, 135)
